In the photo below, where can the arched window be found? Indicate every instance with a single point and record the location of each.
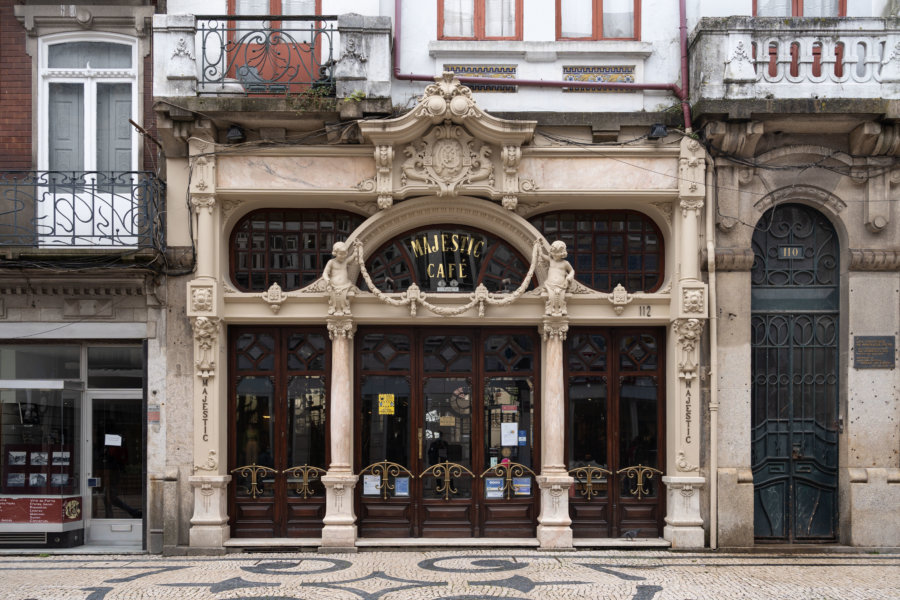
(287, 247)
(608, 248)
(447, 258)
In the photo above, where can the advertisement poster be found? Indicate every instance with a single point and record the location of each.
(509, 434)
(385, 404)
(521, 486)
(401, 486)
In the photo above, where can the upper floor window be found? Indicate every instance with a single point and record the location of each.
(88, 92)
(298, 8)
(480, 19)
(608, 248)
(800, 8)
(597, 19)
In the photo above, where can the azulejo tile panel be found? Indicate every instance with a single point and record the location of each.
(599, 74)
(489, 71)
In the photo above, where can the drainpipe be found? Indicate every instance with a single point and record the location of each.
(680, 92)
(713, 368)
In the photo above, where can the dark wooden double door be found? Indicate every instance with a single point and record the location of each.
(616, 426)
(278, 436)
(447, 432)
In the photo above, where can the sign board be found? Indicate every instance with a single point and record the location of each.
(385, 404)
(401, 486)
(40, 510)
(493, 487)
(790, 252)
(508, 434)
(371, 485)
(448, 421)
(521, 486)
(874, 352)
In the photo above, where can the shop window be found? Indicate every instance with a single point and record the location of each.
(800, 8)
(597, 19)
(480, 19)
(608, 248)
(115, 367)
(287, 247)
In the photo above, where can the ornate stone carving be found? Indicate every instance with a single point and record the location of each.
(341, 328)
(337, 280)
(211, 464)
(692, 300)
(447, 157)
(228, 206)
(560, 276)
(683, 465)
(555, 328)
(353, 49)
(687, 332)
(872, 259)
(446, 94)
(206, 334)
(510, 156)
(203, 202)
(691, 170)
(666, 209)
(739, 66)
(384, 160)
(274, 297)
(620, 298)
(202, 172)
(181, 49)
(202, 299)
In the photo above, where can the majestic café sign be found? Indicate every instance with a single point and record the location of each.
(447, 260)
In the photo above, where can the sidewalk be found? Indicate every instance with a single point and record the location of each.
(454, 575)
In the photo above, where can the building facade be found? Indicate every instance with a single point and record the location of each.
(503, 272)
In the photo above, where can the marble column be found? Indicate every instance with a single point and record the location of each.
(554, 524)
(339, 533)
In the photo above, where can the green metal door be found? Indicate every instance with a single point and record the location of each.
(795, 301)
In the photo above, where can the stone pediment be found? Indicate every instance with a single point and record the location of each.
(447, 146)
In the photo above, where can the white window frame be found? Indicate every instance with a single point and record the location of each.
(90, 78)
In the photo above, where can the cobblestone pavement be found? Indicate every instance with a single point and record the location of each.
(454, 575)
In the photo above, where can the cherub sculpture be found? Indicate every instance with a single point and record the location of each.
(560, 277)
(337, 280)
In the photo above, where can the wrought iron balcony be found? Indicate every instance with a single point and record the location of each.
(282, 55)
(738, 58)
(82, 210)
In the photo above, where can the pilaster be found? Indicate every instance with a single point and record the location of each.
(684, 525)
(339, 532)
(554, 529)
(209, 524)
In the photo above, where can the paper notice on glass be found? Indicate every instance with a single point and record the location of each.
(111, 439)
(371, 485)
(509, 434)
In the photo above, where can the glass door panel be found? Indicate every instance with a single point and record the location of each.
(448, 433)
(117, 499)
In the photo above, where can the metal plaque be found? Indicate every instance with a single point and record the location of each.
(874, 352)
(790, 252)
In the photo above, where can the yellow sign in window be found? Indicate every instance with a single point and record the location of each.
(385, 404)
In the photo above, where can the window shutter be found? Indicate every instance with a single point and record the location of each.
(65, 127)
(113, 129)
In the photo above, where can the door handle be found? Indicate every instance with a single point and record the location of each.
(420, 443)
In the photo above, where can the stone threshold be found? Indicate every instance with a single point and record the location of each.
(251, 543)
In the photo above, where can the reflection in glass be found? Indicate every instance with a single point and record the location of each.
(448, 431)
(508, 417)
(638, 437)
(385, 424)
(118, 459)
(255, 427)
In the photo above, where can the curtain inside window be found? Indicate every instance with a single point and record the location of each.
(576, 18)
(618, 18)
(459, 18)
(302, 31)
(820, 8)
(500, 18)
(100, 55)
(250, 7)
(773, 8)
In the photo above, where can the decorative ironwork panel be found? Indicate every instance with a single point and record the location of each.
(287, 247)
(512, 477)
(591, 481)
(254, 480)
(608, 248)
(282, 55)
(304, 480)
(795, 362)
(444, 473)
(387, 472)
(641, 476)
(794, 245)
(82, 209)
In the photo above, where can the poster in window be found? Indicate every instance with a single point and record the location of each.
(401, 486)
(17, 458)
(39, 458)
(61, 459)
(521, 486)
(371, 485)
(37, 480)
(509, 434)
(385, 404)
(59, 479)
(15, 480)
(493, 487)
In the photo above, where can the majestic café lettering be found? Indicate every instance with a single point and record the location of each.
(447, 261)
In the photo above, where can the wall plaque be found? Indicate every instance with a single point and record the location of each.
(874, 352)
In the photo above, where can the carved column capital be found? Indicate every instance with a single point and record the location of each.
(341, 328)
(201, 201)
(554, 328)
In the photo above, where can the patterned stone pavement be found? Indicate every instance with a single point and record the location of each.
(454, 575)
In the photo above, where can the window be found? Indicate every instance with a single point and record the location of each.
(293, 8)
(480, 19)
(597, 19)
(88, 94)
(608, 248)
(800, 8)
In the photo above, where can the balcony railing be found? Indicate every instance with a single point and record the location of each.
(82, 209)
(753, 58)
(281, 55)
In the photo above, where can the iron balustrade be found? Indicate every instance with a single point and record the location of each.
(82, 209)
(266, 55)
